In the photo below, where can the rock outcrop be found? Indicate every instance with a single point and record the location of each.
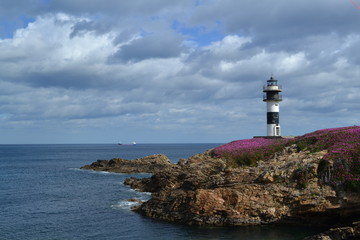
(285, 189)
(291, 187)
(149, 164)
(351, 232)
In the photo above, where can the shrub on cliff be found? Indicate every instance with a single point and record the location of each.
(247, 152)
(343, 145)
(326, 138)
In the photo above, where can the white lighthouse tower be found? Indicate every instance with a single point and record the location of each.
(272, 97)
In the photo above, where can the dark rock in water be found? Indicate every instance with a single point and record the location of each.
(149, 164)
(135, 200)
(351, 232)
(139, 184)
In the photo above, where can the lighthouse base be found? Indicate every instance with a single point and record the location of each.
(268, 137)
(274, 137)
(273, 130)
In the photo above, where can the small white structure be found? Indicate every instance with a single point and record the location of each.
(272, 97)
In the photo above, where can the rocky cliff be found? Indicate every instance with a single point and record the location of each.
(311, 180)
(284, 189)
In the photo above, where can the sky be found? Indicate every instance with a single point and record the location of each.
(179, 71)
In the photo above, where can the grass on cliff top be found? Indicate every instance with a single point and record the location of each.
(343, 145)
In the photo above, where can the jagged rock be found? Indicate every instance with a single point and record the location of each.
(285, 189)
(139, 184)
(135, 200)
(351, 232)
(149, 164)
(266, 177)
(288, 188)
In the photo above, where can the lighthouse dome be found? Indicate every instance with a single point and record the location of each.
(272, 82)
(272, 86)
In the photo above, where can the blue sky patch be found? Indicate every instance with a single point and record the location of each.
(201, 35)
(9, 26)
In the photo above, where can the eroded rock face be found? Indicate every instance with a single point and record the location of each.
(203, 191)
(149, 164)
(292, 187)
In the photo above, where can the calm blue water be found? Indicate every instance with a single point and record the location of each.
(44, 195)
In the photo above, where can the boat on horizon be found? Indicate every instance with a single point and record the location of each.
(129, 144)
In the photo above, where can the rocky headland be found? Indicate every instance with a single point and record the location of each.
(311, 180)
(149, 164)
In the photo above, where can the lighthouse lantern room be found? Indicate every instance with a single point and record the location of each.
(272, 97)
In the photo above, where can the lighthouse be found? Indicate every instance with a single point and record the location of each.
(272, 97)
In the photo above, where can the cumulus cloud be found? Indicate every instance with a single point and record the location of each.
(119, 67)
(44, 54)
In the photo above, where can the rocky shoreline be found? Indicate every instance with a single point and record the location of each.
(148, 164)
(289, 188)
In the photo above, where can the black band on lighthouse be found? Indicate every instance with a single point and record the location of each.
(273, 118)
(274, 96)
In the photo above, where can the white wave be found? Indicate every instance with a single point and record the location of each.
(95, 172)
(124, 204)
(142, 194)
(77, 169)
(105, 172)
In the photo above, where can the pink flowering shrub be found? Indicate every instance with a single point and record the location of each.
(344, 152)
(325, 138)
(249, 151)
(343, 145)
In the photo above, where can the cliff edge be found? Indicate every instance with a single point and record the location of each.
(204, 191)
(313, 179)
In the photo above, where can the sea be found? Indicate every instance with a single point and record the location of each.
(45, 195)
